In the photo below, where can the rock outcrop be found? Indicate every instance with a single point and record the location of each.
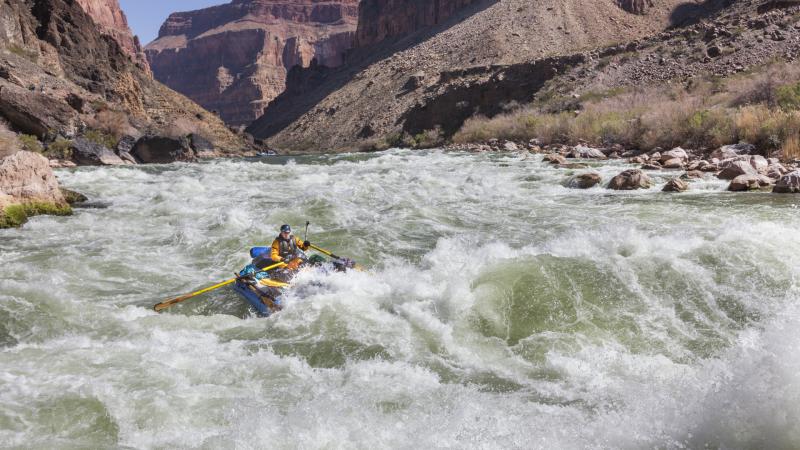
(635, 6)
(162, 150)
(414, 71)
(788, 184)
(87, 153)
(109, 17)
(383, 19)
(27, 176)
(63, 73)
(28, 187)
(234, 58)
(630, 179)
(675, 185)
(584, 180)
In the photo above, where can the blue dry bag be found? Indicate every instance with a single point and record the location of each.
(255, 252)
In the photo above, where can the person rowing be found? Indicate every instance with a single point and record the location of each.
(287, 247)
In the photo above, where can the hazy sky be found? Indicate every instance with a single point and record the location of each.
(146, 16)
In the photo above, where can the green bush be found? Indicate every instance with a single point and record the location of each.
(16, 215)
(30, 143)
(429, 138)
(101, 138)
(59, 149)
(789, 97)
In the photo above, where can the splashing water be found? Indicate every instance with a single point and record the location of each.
(501, 310)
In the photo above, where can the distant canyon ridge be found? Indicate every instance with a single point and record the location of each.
(333, 75)
(233, 59)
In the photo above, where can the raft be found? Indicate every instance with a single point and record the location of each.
(264, 296)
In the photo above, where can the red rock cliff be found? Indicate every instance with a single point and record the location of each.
(109, 17)
(234, 58)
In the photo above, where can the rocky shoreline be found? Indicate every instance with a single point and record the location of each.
(741, 163)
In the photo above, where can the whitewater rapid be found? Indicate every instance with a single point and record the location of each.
(501, 310)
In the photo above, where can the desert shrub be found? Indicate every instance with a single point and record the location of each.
(99, 105)
(59, 149)
(101, 137)
(790, 149)
(30, 143)
(391, 140)
(184, 126)
(768, 129)
(429, 138)
(706, 128)
(788, 96)
(762, 108)
(764, 85)
(113, 123)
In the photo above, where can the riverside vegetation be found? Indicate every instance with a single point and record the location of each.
(761, 108)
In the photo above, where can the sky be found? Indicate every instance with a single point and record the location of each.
(146, 16)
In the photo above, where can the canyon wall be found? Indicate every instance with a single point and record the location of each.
(233, 59)
(110, 19)
(417, 64)
(383, 19)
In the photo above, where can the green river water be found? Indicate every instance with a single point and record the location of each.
(500, 310)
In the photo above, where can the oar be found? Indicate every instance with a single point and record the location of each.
(166, 304)
(326, 252)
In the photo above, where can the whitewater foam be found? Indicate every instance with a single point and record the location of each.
(501, 310)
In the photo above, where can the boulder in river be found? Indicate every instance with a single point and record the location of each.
(629, 180)
(554, 158)
(788, 184)
(162, 150)
(706, 166)
(734, 168)
(732, 151)
(510, 146)
(776, 171)
(582, 151)
(28, 187)
(673, 163)
(744, 183)
(675, 185)
(675, 153)
(88, 153)
(651, 166)
(584, 180)
(758, 162)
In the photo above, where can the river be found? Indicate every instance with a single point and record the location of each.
(500, 310)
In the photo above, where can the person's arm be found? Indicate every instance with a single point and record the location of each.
(301, 244)
(275, 254)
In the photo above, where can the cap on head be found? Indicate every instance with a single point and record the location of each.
(286, 229)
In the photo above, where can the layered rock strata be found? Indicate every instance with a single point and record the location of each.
(109, 17)
(383, 19)
(62, 75)
(233, 59)
(425, 66)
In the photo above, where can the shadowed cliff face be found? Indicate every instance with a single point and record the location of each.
(383, 19)
(60, 70)
(108, 16)
(233, 59)
(427, 65)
